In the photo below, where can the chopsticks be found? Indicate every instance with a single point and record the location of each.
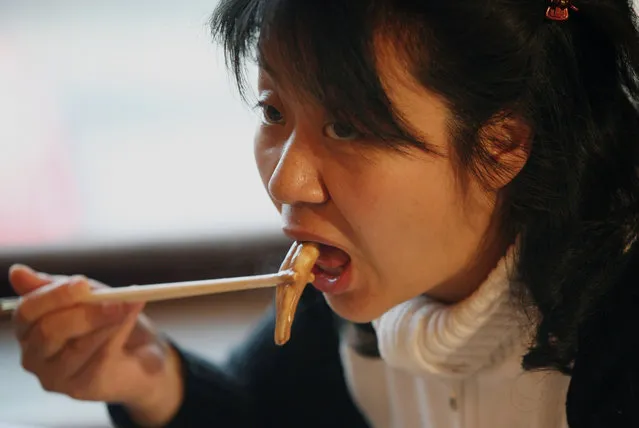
(175, 290)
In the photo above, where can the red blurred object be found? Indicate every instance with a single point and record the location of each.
(38, 192)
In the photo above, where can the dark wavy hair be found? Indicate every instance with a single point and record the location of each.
(575, 205)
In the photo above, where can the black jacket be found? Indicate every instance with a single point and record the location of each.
(306, 376)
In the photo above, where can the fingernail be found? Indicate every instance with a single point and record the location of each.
(41, 275)
(112, 309)
(17, 266)
(20, 266)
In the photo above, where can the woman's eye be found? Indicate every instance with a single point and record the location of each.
(341, 131)
(271, 115)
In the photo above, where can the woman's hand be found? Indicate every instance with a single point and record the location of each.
(99, 352)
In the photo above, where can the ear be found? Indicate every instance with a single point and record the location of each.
(507, 140)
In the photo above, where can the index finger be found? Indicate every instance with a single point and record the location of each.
(58, 295)
(25, 280)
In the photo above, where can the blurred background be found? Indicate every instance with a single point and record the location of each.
(126, 155)
(121, 136)
(118, 122)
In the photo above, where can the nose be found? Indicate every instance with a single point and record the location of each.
(296, 178)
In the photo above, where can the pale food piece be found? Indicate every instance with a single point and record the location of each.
(300, 259)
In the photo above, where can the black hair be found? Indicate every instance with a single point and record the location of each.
(574, 207)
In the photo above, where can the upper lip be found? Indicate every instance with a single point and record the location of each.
(302, 235)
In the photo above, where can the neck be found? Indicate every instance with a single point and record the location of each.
(461, 285)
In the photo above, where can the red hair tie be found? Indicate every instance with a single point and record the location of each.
(559, 10)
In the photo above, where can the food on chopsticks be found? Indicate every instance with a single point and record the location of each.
(300, 259)
(294, 274)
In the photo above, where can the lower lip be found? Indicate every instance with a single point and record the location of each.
(333, 284)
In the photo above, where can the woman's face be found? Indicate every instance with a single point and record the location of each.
(403, 221)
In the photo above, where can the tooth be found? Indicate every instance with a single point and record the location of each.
(330, 270)
(333, 271)
(300, 258)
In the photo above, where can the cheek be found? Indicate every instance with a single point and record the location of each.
(416, 210)
(415, 231)
(405, 199)
(434, 222)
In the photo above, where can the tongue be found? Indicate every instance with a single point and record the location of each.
(331, 257)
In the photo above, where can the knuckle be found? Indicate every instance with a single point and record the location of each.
(74, 349)
(75, 346)
(45, 291)
(42, 332)
(48, 349)
(45, 336)
(64, 294)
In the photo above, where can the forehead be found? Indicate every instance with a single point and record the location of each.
(360, 77)
(298, 78)
(322, 51)
(307, 75)
(414, 101)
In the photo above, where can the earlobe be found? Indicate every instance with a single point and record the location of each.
(508, 142)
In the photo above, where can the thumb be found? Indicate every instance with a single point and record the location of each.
(25, 280)
(151, 357)
(118, 341)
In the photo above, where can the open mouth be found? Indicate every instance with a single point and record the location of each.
(332, 270)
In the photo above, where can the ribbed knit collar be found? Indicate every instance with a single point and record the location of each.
(453, 341)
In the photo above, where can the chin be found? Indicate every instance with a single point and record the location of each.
(356, 307)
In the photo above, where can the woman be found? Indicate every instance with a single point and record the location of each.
(470, 169)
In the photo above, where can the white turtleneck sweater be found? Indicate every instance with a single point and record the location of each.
(454, 366)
